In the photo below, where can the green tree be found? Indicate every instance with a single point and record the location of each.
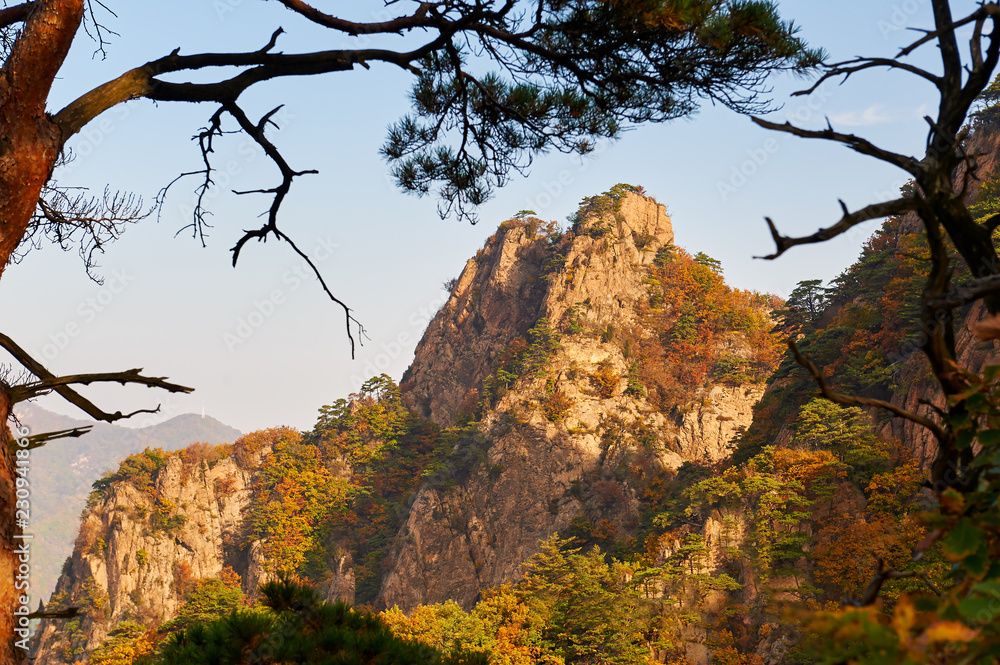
(292, 494)
(590, 610)
(803, 307)
(847, 432)
(715, 265)
(296, 626)
(210, 599)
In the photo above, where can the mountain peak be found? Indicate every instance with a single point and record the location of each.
(528, 271)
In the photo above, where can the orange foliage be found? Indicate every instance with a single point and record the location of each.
(605, 380)
(184, 579)
(888, 492)
(846, 552)
(250, 444)
(817, 470)
(555, 405)
(706, 331)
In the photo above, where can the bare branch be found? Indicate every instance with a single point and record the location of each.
(96, 30)
(45, 386)
(850, 400)
(205, 139)
(260, 65)
(67, 613)
(59, 385)
(849, 67)
(70, 217)
(39, 440)
(849, 220)
(856, 143)
(965, 294)
(396, 25)
(883, 575)
(931, 35)
(992, 223)
(947, 44)
(16, 14)
(257, 133)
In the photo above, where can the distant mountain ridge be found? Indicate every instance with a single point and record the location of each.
(64, 470)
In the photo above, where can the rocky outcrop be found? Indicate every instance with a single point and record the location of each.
(65, 470)
(140, 548)
(498, 297)
(558, 445)
(540, 473)
(514, 281)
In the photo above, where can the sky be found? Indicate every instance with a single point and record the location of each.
(263, 346)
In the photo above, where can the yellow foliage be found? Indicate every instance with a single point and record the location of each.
(950, 631)
(125, 645)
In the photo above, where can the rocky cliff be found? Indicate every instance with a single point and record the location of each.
(543, 472)
(551, 346)
(154, 528)
(64, 472)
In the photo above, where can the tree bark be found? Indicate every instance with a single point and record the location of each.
(29, 145)
(8, 559)
(29, 140)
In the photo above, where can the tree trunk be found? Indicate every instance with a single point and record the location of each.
(29, 145)
(29, 140)
(8, 558)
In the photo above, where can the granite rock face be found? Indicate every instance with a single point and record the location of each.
(536, 474)
(539, 475)
(136, 551)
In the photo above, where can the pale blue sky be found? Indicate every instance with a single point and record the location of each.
(168, 304)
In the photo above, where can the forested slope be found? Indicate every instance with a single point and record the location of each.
(601, 453)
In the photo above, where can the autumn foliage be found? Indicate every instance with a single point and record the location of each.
(705, 331)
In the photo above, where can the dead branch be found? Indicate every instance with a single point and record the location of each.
(855, 143)
(205, 138)
(257, 133)
(965, 294)
(71, 217)
(395, 26)
(50, 383)
(992, 223)
(37, 388)
(16, 14)
(883, 575)
(931, 35)
(67, 613)
(849, 67)
(39, 440)
(848, 221)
